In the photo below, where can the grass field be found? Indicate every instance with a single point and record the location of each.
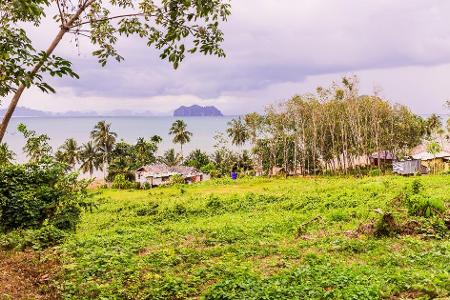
(259, 238)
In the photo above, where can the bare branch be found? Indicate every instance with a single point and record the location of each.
(80, 33)
(111, 18)
(61, 15)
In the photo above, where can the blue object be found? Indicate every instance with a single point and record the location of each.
(234, 175)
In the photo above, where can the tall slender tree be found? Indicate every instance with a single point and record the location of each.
(104, 139)
(180, 134)
(90, 158)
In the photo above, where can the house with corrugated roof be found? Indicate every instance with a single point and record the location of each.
(160, 174)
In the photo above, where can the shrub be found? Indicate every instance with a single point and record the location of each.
(34, 193)
(120, 182)
(375, 172)
(416, 186)
(177, 179)
(44, 237)
(424, 206)
(386, 226)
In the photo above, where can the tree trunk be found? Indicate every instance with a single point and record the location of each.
(15, 100)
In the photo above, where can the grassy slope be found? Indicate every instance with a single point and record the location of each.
(240, 239)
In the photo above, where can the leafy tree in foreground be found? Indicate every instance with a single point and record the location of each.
(40, 193)
(173, 27)
(180, 134)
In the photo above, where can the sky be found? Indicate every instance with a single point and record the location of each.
(275, 49)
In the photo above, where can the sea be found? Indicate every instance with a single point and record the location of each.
(128, 129)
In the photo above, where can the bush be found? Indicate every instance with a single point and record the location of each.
(120, 182)
(416, 187)
(177, 179)
(375, 172)
(41, 238)
(424, 206)
(36, 193)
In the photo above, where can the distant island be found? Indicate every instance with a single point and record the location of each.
(28, 112)
(197, 111)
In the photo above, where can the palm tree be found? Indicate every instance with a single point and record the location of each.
(104, 139)
(170, 158)
(69, 153)
(6, 155)
(434, 148)
(180, 134)
(238, 132)
(89, 158)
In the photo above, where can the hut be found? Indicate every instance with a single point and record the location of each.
(437, 162)
(159, 174)
(408, 167)
(382, 158)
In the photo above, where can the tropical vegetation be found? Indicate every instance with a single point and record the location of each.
(265, 238)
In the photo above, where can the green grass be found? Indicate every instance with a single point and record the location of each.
(256, 238)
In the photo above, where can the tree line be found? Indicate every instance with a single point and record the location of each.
(105, 152)
(334, 130)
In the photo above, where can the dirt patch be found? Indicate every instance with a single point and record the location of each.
(28, 275)
(412, 294)
(386, 226)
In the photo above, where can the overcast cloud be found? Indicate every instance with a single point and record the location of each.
(275, 49)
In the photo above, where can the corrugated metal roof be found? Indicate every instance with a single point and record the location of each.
(429, 156)
(161, 170)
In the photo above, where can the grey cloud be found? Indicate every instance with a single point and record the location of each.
(272, 42)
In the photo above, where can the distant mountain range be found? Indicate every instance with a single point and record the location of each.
(197, 111)
(183, 111)
(28, 112)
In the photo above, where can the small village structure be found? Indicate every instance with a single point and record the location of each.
(382, 158)
(159, 174)
(439, 161)
(409, 167)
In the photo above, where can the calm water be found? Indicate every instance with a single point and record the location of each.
(128, 128)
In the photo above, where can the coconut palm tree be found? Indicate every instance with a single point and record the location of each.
(90, 158)
(180, 134)
(170, 158)
(104, 139)
(238, 132)
(69, 153)
(434, 148)
(6, 155)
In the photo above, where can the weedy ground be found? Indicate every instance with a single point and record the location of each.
(260, 238)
